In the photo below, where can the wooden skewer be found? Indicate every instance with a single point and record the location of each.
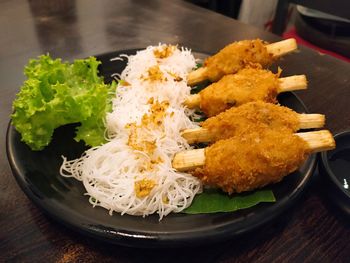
(306, 121)
(275, 49)
(297, 82)
(317, 141)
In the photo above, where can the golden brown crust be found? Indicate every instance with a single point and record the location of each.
(253, 116)
(249, 84)
(236, 56)
(252, 161)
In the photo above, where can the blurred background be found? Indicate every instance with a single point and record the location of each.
(320, 24)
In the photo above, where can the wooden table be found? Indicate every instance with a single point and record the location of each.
(312, 231)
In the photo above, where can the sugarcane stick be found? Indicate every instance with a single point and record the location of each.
(317, 141)
(275, 49)
(283, 47)
(197, 76)
(197, 135)
(193, 101)
(310, 121)
(306, 121)
(189, 160)
(292, 83)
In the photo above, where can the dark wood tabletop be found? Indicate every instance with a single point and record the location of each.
(313, 230)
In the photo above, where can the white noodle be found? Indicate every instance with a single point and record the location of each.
(109, 172)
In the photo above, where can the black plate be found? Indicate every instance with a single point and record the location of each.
(37, 173)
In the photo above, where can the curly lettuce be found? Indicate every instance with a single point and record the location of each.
(57, 93)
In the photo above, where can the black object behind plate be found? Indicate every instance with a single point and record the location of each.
(334, 168)
(63, 198)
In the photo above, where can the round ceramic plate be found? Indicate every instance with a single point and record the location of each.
(37, 173)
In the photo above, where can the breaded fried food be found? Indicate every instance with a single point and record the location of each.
(236, 56)
(252, 161)
(249, 84)
(254, 116)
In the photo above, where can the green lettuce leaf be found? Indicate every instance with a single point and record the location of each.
(214, 201)
(58, 93)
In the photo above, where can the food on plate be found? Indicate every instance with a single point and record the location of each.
(238, 55)
(140, 160)
(249, 84)
(253, 160)
(253, 116)
(58, 93)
